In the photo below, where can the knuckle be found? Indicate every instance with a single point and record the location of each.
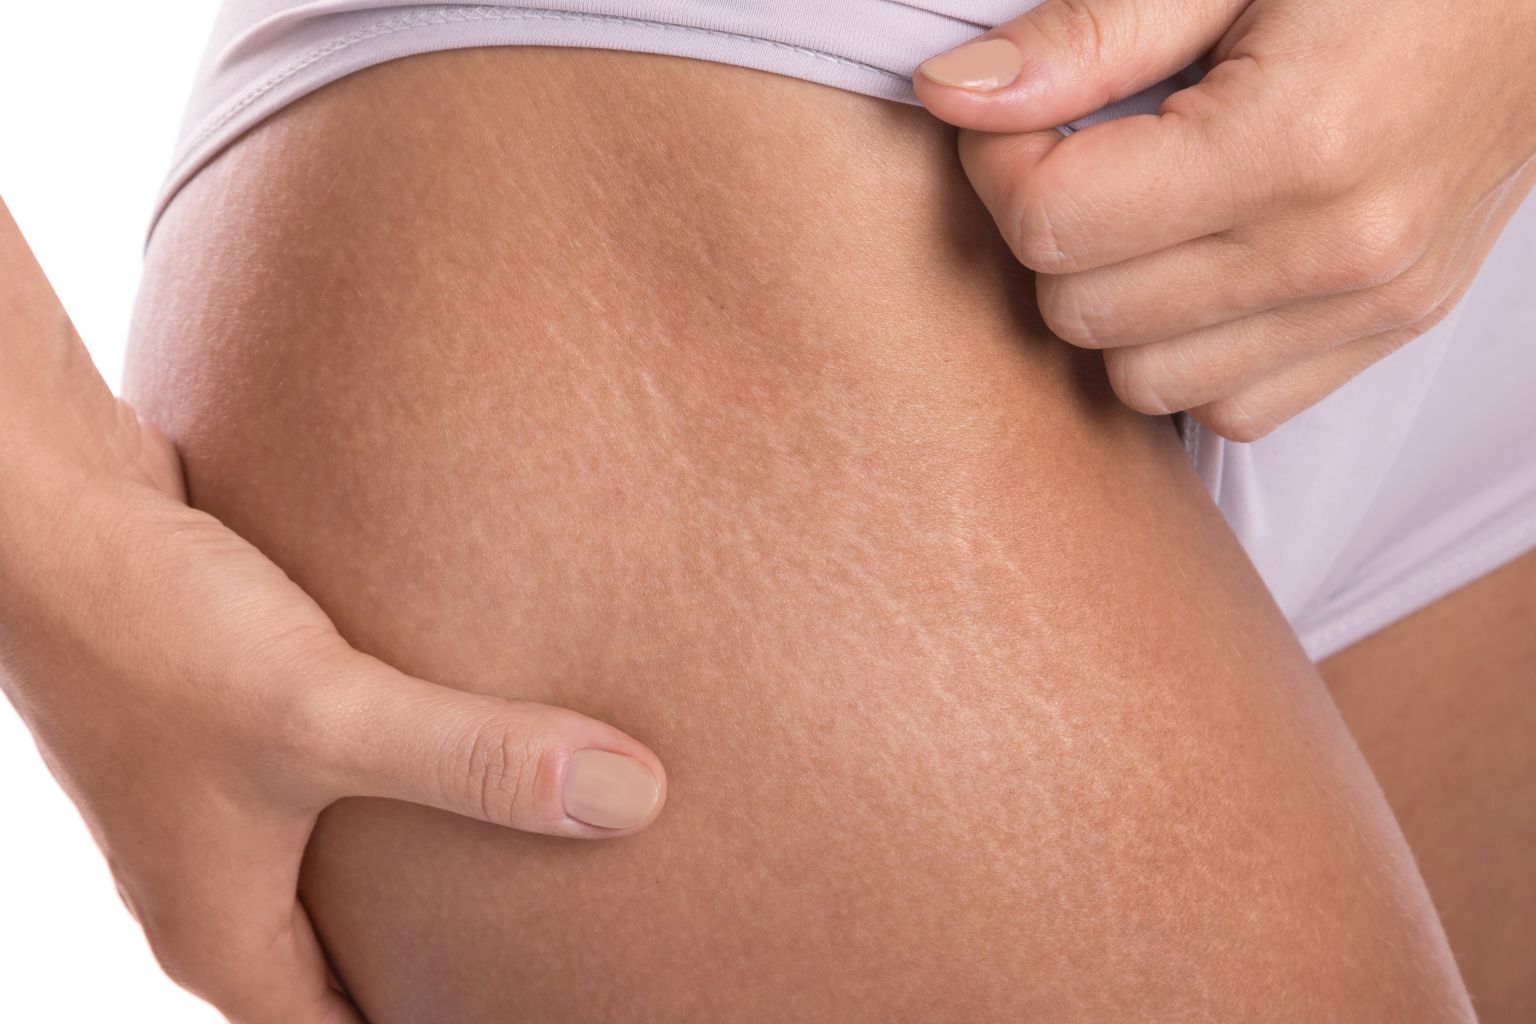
(1239, 418)
(194, 937)
(235, 998)
(1034, 229)
(1319, 273)
(1417, 300)
(495, 770)
(1009, 174)
(1407, 307)
(180, 948)
(1324, 155)
(1381, 241)
(1432, 317)
(1076, 25)
(212, 962)
(1140, 377)
(1292, 271)
(1065, 301)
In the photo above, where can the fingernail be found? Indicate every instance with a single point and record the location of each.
(609, 790)
(985, 65)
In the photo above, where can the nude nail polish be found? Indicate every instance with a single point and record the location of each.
(985, 65)
(609, 790)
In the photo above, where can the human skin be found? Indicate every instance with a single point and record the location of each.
(709, 403)
(168, 673)
(1329, 189)
(1443, 704)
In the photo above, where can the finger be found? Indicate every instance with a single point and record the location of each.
(1423, 298)
(1176, 291)
(1002, 170)
(1259, 408)
(1140, 184)
(1195, 369)
(226, 925)
(1067, 58)
(285, 983)
(523, 765)
(1205, 365)
(1297, 257)
(289, 981)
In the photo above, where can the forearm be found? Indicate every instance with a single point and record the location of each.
(64, 439)
(71, 458)
(54, 406)
(195, 703)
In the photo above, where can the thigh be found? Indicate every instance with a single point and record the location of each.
(708, 402)
(1443, 705)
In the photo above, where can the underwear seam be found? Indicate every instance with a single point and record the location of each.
(421, 19)
(1425, 581)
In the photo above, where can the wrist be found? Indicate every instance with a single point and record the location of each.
(56, 411)
(40, 488)
(116, 445)
(51, 490)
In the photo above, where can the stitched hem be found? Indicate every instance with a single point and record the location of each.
(447, 15)
(1420, 589)
(234, 117)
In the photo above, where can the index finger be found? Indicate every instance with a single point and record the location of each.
(1136, 185)
(1064, 59)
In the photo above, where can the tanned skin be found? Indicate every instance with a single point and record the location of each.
(709, 403)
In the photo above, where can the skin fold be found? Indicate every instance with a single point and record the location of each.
(710, 404)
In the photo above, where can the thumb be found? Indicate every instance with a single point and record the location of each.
(527, 766)
(1065, 59)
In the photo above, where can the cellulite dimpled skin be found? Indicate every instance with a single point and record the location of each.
(1411, 480)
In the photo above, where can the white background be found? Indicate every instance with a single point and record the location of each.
(91, 94)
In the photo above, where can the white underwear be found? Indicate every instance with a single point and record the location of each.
(1413, 479)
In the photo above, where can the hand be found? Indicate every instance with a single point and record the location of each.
(201, 710)
(1326, 193)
